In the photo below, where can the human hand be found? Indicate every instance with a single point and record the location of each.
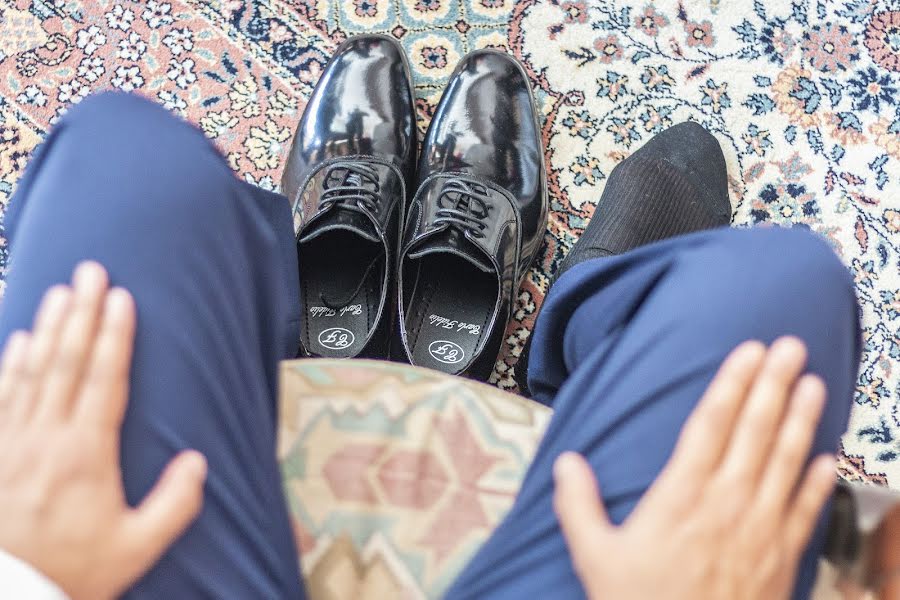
(63, 392)
(729, 516)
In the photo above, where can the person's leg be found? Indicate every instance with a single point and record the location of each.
(212, 266)
(625, 347)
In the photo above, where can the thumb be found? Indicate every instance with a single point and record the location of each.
(580, 510)
(172, 504)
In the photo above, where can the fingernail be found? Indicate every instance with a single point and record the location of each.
(118, 301)
(826, 462)
(57, 295)
(18, 337)
(751, 352)
(16, 343)
(811, 389)
(566, 464)
(786, 353)
(88, 273)
(788, 346)
(196, 462)
(752, 346)
(54, 301)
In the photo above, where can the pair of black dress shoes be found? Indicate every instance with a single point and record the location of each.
(417, 263)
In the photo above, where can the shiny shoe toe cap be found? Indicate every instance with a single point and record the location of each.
(362, 105)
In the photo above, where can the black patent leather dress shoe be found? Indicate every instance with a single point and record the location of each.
(477, 220)
(349, 169)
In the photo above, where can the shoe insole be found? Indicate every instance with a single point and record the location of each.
(341, 276)
(448, 312)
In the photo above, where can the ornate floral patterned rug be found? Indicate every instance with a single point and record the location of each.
(803, 96)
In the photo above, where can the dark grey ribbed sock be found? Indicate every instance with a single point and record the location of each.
(675, 184)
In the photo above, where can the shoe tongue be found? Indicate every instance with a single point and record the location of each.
(345, 219)
(453, 242)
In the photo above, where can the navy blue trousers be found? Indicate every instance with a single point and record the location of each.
(623, 349)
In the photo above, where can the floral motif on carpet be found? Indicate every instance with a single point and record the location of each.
(804, 98)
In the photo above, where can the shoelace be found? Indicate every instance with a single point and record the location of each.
(466, 205)
(347, 182)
